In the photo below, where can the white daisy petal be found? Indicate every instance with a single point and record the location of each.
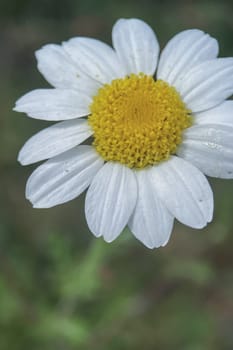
(208, 84)
(136, 45)
(210, 148)
(110, 200)
(185, 191)
(222, 114)
(54, 140)
(54, 104)
(94, 58)
(59, 70)
(151, 223)
(184, 51)
(63, 177)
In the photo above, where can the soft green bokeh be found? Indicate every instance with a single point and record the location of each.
(61, 288)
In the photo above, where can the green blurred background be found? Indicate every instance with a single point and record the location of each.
(61, 288)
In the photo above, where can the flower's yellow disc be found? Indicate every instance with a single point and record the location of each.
(138, 121)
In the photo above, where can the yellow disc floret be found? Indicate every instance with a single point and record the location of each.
(138, 121)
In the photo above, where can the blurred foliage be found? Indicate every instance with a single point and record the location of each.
(61, 288)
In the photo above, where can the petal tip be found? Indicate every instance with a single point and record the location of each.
(20, 159)
(109, 240)
(16, 107)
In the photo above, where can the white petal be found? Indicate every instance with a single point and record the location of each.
(136, 45)
(59, 70)
(94, 58)
(185, 191)
(54, 104)
(210, 148)
(110, 200)
(207, 84)
(54, 140)
(184, 51)
(151, 223)
(63, 178)
(222, 114)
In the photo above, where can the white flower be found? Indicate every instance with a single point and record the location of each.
(154, 140)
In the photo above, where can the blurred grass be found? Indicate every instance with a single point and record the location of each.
(60, 288)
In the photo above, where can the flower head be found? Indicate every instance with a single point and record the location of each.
(157, 127)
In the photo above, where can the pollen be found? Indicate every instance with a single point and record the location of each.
(138, 121)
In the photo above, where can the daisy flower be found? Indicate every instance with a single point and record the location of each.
(156, 126)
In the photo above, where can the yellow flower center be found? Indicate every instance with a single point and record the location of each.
(138, 121)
